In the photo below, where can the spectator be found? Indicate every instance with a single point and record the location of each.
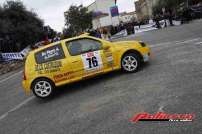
(46, 41)
(97, 34)
(165, 16)
(170, 17)
(156, 19)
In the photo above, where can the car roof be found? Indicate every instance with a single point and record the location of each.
(66, 40)
(58, 42)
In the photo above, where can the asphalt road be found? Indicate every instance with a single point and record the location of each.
(171, 83)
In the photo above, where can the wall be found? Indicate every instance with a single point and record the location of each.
(127, 17)
(144, 8)
(103, 6)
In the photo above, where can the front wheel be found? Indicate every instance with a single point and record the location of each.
(130, 63)
(43, 88)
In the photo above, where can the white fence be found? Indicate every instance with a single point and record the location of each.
(121, 34)
(152, 26)
(16, 56)
(12, 56)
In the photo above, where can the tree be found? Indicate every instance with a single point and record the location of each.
(49, 32)
(68, 32)
(19, 27)
(78, 19)
(168, 4)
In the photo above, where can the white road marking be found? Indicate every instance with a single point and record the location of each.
(188, 41)
(198, 43)
(16, 107)
(10, 76)
(160, 44)
(175, 42)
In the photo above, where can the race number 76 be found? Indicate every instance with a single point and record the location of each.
(92, 62)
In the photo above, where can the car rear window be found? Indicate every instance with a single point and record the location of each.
(50, 54)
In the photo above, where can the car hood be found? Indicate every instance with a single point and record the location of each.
(126, 43)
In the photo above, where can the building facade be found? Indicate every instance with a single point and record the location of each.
(128, 17)
(144, 8)
(105, 18)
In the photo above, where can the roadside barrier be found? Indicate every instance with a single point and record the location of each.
(121, 34)
(12, 56)
(15, 56)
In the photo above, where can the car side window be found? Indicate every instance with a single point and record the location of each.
(81, 46)
(50, 54)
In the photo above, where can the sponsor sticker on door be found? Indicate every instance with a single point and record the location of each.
(92, 61)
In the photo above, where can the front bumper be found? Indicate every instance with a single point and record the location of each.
(146, 57)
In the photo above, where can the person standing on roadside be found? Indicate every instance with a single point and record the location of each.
(98, 34)
(170, 17)
(156, 19)
(165, 16)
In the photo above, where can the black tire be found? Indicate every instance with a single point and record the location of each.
(137, 63)
(44, 92)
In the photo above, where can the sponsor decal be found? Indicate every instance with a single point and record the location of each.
(114, 11)
(161, 116)
(62, 77)
(92, 61)
(110, 59)
(88, 75)
(50, 53)
(48, 67)
(12, 56)
(16, 56)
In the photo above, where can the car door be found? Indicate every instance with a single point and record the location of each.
(88, 57)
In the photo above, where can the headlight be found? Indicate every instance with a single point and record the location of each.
(142, 44)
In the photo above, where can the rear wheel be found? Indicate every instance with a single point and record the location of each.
(43, 88)
(130, 63)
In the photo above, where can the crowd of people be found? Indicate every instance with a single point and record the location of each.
(108, 31)
(167, 16)
(184, 15)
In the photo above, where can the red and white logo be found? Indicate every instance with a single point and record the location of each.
(90, 54)
(160, 116)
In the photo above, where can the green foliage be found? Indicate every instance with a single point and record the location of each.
(68, 32)
(49, 32)
(168, 4)
(19, 27)
(77, 19)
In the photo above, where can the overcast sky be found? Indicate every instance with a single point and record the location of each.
(52, 11)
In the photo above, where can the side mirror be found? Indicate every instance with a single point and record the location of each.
(106, 47)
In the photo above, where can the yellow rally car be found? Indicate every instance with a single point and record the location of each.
(79, 58)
